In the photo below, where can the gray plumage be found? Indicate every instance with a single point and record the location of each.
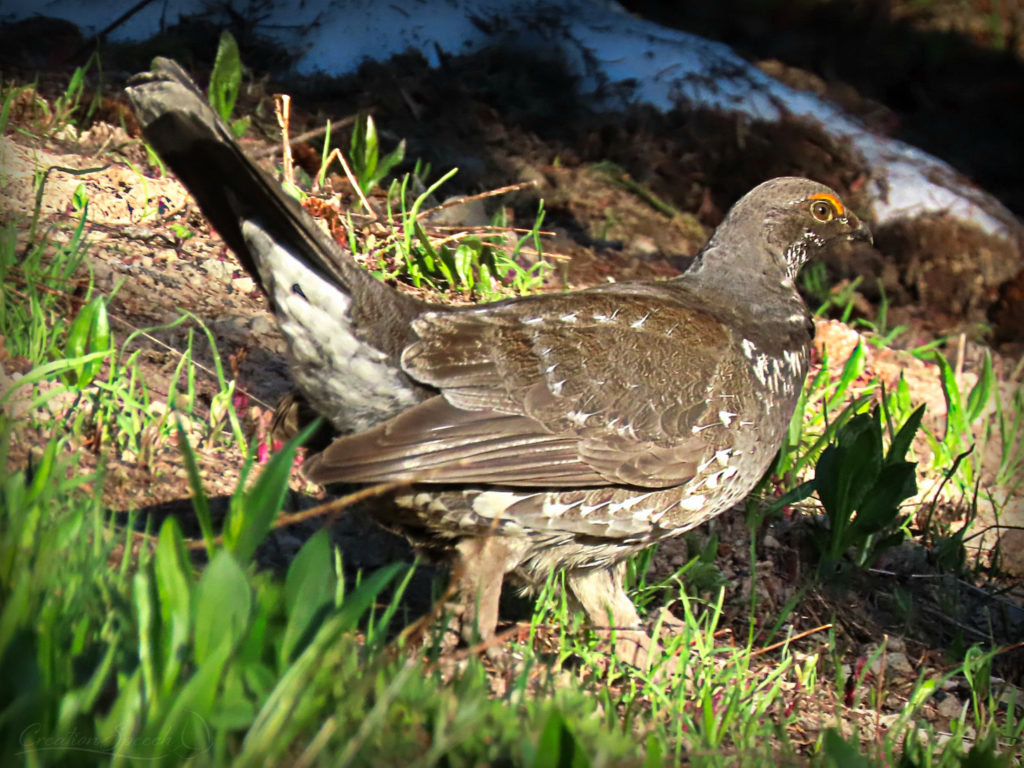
(555, 431)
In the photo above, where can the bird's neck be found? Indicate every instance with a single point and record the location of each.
(731, 272)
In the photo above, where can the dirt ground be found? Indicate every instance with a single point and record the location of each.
(502, 120)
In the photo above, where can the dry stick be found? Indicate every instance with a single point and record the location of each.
(336, 153)
(417, 629)
(961, 349)
(303, 137)
(481, 647)
(282, 108)
(328, 508)
(140, 538)
(99, 36)
(788, 640)
(938, 491)
(481, 196)
(490, 228)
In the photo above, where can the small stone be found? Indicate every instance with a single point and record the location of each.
(260, 325)
(644, 245)
(899, 664)
(220, 270)
(950, 707)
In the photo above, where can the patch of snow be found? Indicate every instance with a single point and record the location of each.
(620, 59)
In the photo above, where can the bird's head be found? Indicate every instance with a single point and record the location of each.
(789, 220)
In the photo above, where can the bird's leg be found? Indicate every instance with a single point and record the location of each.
(480, 566)
(599, 592)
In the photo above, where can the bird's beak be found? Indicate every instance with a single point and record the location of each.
(859, 230)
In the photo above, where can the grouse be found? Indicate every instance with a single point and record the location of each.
(555, 431)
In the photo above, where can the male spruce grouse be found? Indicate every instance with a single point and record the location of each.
(559, 431)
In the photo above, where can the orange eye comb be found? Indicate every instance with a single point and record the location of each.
(836, 203)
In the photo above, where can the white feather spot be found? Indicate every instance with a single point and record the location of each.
(554, 509)
(692, 503)
(492, 504)
(711, 481)
(579, 418)
(793, 361)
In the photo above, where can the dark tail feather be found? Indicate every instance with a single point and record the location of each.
(190, 137)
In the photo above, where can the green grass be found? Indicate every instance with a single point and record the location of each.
(477, 263)
(109, 659)
(121, 644)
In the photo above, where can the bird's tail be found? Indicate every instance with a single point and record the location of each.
(345, 329)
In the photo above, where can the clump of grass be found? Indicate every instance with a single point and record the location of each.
(397, 241)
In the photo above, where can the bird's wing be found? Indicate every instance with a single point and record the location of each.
(606, 387)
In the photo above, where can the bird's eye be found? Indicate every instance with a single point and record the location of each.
(822, 210)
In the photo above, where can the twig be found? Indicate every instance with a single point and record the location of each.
(282, 108)
(788, 640)
(108, 29)
(481, 196)
(490, 228)
(328, 508)
(351, 179)
(305, 136)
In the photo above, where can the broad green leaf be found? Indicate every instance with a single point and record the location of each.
(195, 483)
(557, 747)
(389, 161)
(371, 147)
(901, 443)
(839, 753)
(309, 592)
(145, 614)
(852, 370)
(803, 491)
(226, 76)
(880, 506)
(981, 392)
(852, 466)
(42, 473)
(187, 727)
(955, 421)
(253, 511)
(276, 712)
(171, 567)
(223, 604)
